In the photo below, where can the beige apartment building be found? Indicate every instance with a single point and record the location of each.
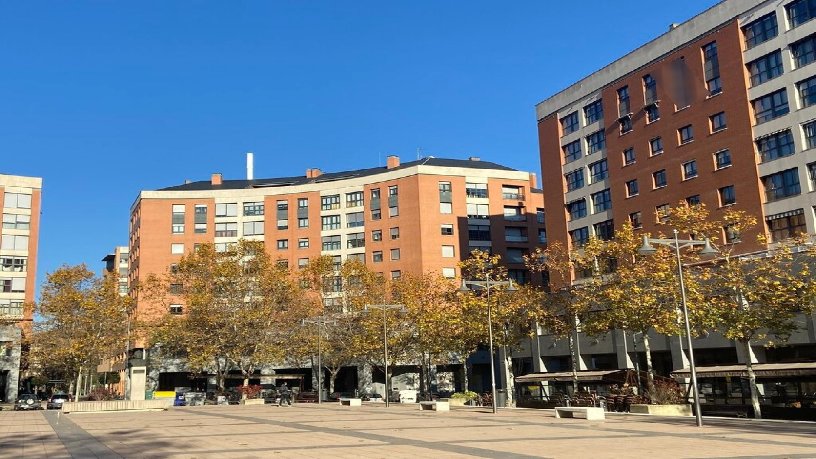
(20, 199)
(718, 110)
(420, 216)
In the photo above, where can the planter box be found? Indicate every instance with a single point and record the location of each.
(454, 401)
(116, 405)
(662, 410)
(252, 401)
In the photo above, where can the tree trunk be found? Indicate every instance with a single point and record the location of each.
(465, 380)
(574, 365)
(78, 384)
(333, 372)
(752, 380)
(647, 347)
(510, 390)
(246, 384)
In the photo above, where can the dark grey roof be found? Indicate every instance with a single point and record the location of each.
(332, 176)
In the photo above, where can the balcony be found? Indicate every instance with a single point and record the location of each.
(509, 238)
(513, 196)
(515, 218)
(476, 193)
(9, 313)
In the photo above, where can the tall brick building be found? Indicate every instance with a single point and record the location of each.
(420, 216)
(20, 199)
(719, 110)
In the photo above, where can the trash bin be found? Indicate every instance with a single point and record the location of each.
(179, 400)
(501, 398)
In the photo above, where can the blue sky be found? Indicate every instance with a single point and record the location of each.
(104, 99)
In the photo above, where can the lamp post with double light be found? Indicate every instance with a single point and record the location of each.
(320, 322)
(648, 248)
(384, 308)
(487, 285)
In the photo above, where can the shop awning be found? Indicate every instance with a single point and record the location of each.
(762, 370)
(594, 375)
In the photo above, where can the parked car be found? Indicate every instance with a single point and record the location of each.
(27, 402)
(56, 401)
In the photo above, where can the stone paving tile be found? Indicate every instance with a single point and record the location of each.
(26, 434)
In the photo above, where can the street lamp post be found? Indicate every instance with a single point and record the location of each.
(384, 308)
(319, 321)
(678, 244)
(487, 284)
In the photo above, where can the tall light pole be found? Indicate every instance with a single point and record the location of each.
(678, 244)
(384, 308)
(487, 284)
(319, 321)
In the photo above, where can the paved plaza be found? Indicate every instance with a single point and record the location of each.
(400, 431)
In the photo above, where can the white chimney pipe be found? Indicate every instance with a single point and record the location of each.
(250, 166)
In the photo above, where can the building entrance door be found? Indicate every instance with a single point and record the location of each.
(3, 385)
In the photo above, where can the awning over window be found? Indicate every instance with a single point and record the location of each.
(789, 213)
(595, 375)
(762, 370)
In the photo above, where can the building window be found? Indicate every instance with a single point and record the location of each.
(354, 199)
(178, 218)
(514, 213)
(355, 241)
(593, 112)
(776, 145)
(689, 170)
(722, 159)
(303, 243)
(786, 225)
(766, 68)
(572, 151)
(782, 184)
(632, 188)
(656, 146)
(330, 202)
(9, 263)
(176, 309)
(177, 249)
(16, 201)
(377, 256)
(604, 230)
(800, 12)
(809, 129)
(396, 275)
(575, 179)
(596, 142)
(253, 228)
(393, 211)
(226, 230)
(652, 113)
(200, 219)
(445, 192)
(303, 203)
(807, 92)
(330, 222)
(478, 232)
(662, 213)
(771, 106)
(395, 254)
(623, 102)
(649, 90)
(476, 190)
(12, 285)
(569, 123)
(659, 178)
(760, 31)
(577, 209)
(718, 122)
(394, 232)
(447, 251)
(515, 234)
(445, 208)
(628, 156)
(727, 195)
(16, 221)
(812, 175)
(376, 214)
(540, 216)
(634, 219)
(14, 242)
(256, 209)
(711, 68)
(446, 229)
(226, 210)
(685, 134)
(625, 125)
(598, 171)
(693, 200)
(579, 237)
(376, 235)
(355, 219)
(478, 211)
(513, 193)
(330, 243)
(601, 201)
(303, 222)
(283, 244)
(449, 273)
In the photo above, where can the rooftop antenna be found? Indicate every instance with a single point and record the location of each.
(419, 153)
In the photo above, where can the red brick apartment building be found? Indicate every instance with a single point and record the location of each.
(20, 199)
(721, 110)
(420, 216)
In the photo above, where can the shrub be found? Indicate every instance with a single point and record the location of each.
(251, 391)
(101, 394)
(467, 395)
(666, 393)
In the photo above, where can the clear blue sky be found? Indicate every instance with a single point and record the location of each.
(104, 99)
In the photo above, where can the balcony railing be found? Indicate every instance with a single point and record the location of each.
(515, 218)
(516, 238)
(473, 193)
(513, 196)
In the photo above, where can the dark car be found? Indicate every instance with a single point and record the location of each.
(27, 402)
(56, 401)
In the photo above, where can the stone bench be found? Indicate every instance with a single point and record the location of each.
(351, 402)
(116, 405)
(434, 406)
(590, 413)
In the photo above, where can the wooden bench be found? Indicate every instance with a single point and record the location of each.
(434, 406)
(351, 402)
(589, 413)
